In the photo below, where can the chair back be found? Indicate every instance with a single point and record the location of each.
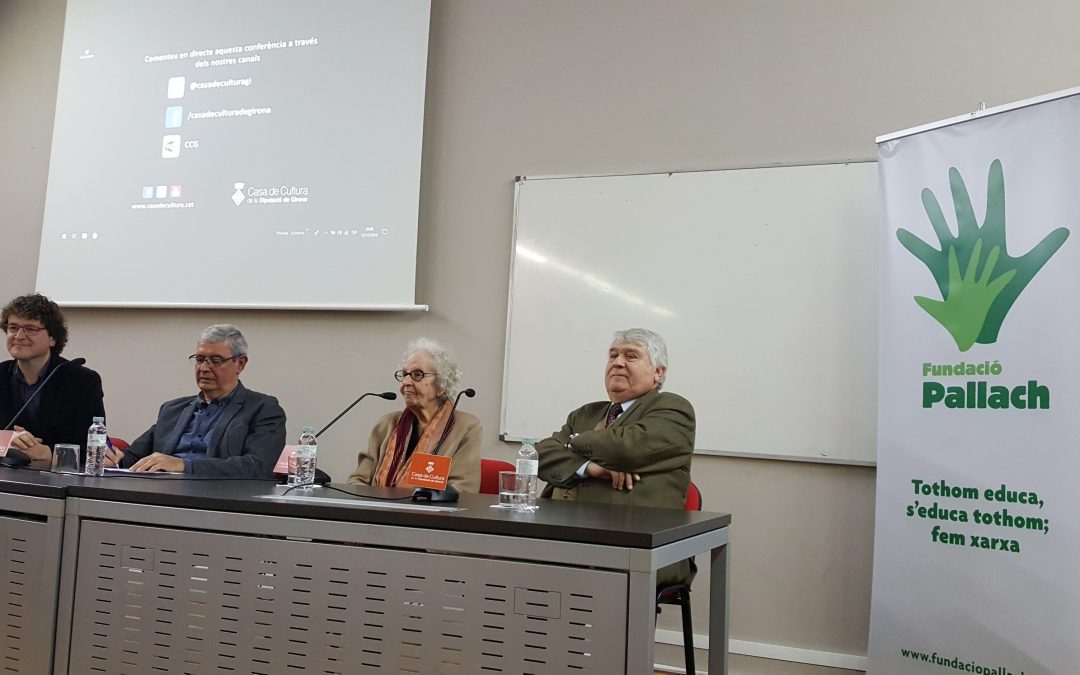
(118, 443)
(489, 475)
(693, 498)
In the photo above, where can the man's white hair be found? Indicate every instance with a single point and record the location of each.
(653, 344)
(226, 333)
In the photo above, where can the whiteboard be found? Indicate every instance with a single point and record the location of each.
(763, 283)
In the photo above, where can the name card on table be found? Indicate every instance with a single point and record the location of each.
(427, 471)
(282, 465)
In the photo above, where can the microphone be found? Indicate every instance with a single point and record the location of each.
(31, 397)
(449, 494)
(431, 495)
(388, 395)
(14, 456)
(470, 392)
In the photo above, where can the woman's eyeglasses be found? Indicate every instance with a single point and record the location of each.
(415, 375)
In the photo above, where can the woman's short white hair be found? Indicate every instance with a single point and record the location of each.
(447, 373)
(651, 341)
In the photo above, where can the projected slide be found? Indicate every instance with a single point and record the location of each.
(245, 154)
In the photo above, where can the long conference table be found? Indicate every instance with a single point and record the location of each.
(163, 575)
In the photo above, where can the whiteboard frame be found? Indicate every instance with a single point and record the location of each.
(237, 305)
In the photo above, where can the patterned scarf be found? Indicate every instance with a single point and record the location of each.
(391, 467)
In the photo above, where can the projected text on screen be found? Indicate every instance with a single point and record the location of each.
(247, 154)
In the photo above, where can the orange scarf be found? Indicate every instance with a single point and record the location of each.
(392, 465)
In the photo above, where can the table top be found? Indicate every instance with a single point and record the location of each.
(34, 483)
(633, 527)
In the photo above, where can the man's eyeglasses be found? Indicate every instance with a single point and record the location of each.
(415, 375)
(13, 329)
(212, 361)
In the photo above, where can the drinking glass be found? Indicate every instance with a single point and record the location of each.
(65, 458)
(508, 493)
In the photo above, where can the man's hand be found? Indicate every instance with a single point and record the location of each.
(113, 457)
(159, 461)
(23, 439)
(619, 479)
(29, 444)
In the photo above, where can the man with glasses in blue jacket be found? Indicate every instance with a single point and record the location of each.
(226, 430)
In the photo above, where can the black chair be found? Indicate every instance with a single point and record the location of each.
(679, 594)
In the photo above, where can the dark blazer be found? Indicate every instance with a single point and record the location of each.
(69, 403)
(246, 442)
(654, 438)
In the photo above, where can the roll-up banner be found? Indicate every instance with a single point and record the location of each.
(977, 545)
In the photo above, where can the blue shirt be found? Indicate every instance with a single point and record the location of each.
(199, 432)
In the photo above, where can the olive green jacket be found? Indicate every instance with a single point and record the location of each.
(654, 439)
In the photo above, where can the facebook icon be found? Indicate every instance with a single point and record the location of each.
(174, 116)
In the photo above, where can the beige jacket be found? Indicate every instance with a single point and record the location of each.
(462, 446)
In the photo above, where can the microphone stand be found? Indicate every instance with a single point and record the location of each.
(446, 431)
(449, 494)
(17, 458)
(388, 395)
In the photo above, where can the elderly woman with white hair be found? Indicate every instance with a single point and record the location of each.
(430, 379)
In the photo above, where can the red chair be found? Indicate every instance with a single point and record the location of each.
(489, 475)
(679, 594)
(118, 443)
(693, 498)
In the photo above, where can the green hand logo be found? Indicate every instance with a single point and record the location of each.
(963, 312)
(973, 306)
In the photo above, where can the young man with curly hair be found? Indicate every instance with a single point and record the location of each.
(61, 412)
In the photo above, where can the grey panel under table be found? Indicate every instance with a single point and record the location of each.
(28, 594)
(162, 600)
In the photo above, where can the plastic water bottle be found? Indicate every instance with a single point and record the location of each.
(96, 441)
(306, 455)
(528, 466)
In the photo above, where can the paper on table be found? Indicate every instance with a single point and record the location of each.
(144, 474)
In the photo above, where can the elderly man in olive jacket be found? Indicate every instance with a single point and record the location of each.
(633, 449)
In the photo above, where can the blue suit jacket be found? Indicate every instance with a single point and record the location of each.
(246, 442)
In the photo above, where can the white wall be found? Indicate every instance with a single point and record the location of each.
(563, 86)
